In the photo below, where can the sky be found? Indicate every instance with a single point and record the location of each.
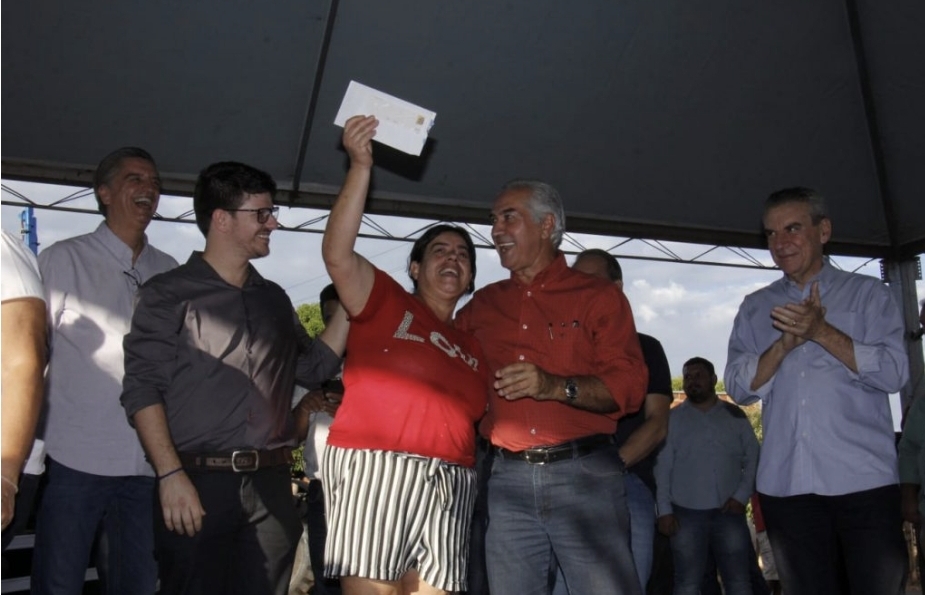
(689, 308)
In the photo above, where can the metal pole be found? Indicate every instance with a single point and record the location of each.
(29, 229)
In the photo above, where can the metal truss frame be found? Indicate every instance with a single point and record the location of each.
(623, 248)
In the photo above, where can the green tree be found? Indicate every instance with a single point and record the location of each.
(753, 412)
(310, 317)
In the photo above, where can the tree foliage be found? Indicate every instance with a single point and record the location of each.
(753, 412)
(310, 317)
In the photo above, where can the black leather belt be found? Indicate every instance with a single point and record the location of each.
(550, 454)
(239, 461)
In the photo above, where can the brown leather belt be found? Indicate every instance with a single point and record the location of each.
(559, 452)
(239, 461)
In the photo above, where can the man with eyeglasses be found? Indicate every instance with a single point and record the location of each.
(211, 362)
(96, 468)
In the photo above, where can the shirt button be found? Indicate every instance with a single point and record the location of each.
(802, 374)
(521, 358)
(529, 294)
(533, 431)
(524, 327)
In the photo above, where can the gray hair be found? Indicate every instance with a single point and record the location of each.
(544, 200)
(110, 165)
(807, 196)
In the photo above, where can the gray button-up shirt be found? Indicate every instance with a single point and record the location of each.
(223, 360)
(90, 286)
(708, 457)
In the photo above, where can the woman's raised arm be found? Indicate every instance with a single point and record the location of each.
(351, 273)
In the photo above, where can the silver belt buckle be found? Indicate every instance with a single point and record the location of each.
(536, 456)
(251, 461)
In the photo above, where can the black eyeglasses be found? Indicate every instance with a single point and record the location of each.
(262, 214)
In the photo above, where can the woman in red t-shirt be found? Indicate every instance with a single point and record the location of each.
(398, 469)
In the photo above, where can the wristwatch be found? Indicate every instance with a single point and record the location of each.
(571, 390)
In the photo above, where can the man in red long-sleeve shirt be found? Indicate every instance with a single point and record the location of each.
(567, 364)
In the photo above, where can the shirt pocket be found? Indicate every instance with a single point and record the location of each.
(565, 336)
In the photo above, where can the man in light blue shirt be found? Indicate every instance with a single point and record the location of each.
(822, 349)
(705, 475)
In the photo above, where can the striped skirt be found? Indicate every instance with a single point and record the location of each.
(391, 512)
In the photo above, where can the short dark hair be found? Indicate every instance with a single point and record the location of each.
(614, 271)
(223, 185)
(700, 361)
(328, 294)
(421, 244)
(110, 164)
(807, 196)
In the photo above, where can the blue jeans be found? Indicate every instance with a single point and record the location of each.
(701, 532)
(641, 505)
(575, 510)
(72, 508)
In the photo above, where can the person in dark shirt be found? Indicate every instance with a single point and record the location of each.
(639, 434)
(210, 365)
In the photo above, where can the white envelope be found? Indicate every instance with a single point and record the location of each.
(402, 125)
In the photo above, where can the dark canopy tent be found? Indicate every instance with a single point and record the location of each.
(665, 120)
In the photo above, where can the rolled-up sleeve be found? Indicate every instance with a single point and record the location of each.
(880, 353)
(619, 361)
(150, 349)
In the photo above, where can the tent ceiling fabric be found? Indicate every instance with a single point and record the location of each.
(666, 120)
